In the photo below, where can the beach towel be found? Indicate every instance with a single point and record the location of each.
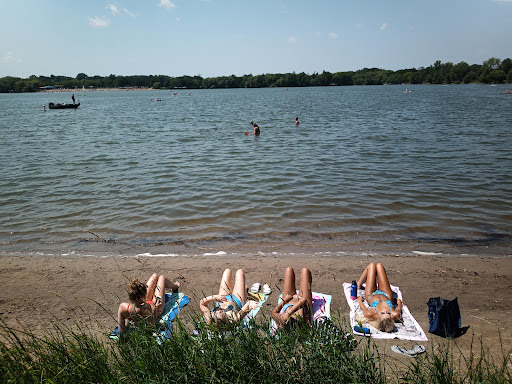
(321, 309)
(174, 302)
(409, 330)
(260, 298)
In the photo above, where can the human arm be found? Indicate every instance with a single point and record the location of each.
(248, 306)
(203, 305)
(368, 313)
(396, 314)
(282, 318)
(122, 317)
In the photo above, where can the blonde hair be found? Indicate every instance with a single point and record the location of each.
(383, 325)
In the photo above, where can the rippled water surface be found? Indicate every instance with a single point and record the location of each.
(367, 163)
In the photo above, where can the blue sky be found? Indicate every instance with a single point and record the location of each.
(224, 37)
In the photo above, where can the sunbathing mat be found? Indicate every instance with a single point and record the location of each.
(260, 298)
(321, 308)
(173, 304)
(409, 330)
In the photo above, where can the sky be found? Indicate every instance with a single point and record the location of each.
(224, 37)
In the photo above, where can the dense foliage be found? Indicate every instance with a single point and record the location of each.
(318, 355)
(491, 71)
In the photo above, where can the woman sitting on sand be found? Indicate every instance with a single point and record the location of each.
(146, 301)
(295, 308)
(383, 311)
(231, 303)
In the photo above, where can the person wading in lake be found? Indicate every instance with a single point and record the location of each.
(256, 129)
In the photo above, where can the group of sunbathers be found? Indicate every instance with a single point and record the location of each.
(231, 305)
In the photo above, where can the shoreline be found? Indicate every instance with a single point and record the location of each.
(40, 290)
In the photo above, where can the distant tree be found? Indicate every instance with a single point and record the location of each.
(509, 76)
(470, 77)
(156, 85)
(81, 76)
(492, 63)
(506, 65)
(497, 76)
(460, 70)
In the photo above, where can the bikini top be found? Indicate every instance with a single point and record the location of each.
(285, 307)
(375, 303)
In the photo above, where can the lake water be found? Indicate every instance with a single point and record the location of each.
(367, 165)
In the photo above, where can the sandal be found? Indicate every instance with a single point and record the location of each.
(255, 288)
(267, 290)
(408, 352)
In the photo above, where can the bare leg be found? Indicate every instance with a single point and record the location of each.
(383, 280)
(240, 290)
(305, 292)
(369, 277)
(225, 284)
(163, 283)
(151, 284)
(289, 282)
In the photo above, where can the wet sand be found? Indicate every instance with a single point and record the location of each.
(37, 290)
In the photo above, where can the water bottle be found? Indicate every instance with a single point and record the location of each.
(353, 290)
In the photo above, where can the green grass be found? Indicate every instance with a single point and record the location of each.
(234, 355)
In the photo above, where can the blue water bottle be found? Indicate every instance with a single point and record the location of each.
(353, 290)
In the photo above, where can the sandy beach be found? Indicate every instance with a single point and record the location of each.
(39, 290)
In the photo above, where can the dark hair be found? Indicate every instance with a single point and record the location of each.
(137, 290)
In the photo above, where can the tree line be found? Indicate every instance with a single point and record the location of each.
(490, 71)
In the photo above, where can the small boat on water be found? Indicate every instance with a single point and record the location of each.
(63, 106)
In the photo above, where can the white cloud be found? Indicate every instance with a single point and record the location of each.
(9, 57)
(292, 40)
(178, 19)
(113, 9)
(502, 1)
(332, 35)
(167, 4)
(99, 22)
(129, 13)
(384, 26)
(359, 26)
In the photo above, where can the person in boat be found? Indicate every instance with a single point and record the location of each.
(384, 310)
(230, 304)
(296, 121)
(73, 98)
(146, 301)
(295, 309)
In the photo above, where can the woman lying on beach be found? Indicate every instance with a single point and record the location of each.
(383, 312)
(146, 301)
(231, 303)
(295, 308)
